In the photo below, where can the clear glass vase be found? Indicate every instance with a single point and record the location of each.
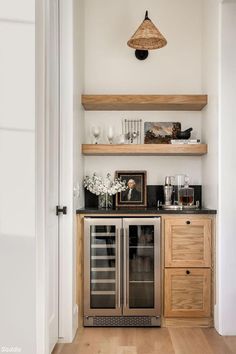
(105, 201)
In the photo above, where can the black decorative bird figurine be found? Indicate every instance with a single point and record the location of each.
(186, 134)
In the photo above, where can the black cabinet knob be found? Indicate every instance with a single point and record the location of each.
(188, 272)
(188, 222)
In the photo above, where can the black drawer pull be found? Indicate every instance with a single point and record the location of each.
(188, 272)
(188, 222)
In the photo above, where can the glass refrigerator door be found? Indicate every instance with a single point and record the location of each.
(102, 266)
(142, 266)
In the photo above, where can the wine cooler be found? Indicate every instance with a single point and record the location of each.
(122, 272)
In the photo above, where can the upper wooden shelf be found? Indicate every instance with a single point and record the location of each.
(144, 102)
(144, 149)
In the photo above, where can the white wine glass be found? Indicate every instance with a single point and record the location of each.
(110, 135)
(96, 133)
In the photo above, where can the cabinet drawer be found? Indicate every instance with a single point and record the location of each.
(188, 242)
(187, 292)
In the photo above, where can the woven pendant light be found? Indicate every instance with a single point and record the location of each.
(146, 37)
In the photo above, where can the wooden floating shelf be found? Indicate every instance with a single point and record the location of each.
(144, 102)
(144, 149)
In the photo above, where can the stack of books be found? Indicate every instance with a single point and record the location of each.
(185, 141)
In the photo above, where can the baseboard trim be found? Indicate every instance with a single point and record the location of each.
(187, 322)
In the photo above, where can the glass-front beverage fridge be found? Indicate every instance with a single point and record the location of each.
(122, 272)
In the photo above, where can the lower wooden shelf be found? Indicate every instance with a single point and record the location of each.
(145, 149)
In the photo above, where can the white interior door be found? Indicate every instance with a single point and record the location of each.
(52, 170)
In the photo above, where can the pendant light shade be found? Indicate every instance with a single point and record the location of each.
(147, 37)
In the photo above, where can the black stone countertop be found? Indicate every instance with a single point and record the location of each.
(149, 211)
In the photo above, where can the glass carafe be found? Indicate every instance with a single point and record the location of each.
(186, 194)
(179, 183)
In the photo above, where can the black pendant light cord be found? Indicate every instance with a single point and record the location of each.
(146, 16)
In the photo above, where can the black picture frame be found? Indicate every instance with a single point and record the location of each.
(136, 195)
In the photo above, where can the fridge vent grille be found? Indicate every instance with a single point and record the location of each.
(113, 321)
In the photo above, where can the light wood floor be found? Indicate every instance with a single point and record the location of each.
(148, 341)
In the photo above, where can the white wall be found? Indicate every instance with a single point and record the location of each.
(227, 173)
(210, 120)
(111, 67)
(210, 81)
(219, 166)
(17, 196)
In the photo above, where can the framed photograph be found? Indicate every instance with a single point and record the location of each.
(135, 194)
(160, 132)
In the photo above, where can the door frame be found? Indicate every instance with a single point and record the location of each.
(42, 340)
(68, 318)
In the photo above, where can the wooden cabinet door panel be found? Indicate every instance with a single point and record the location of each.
(187, 242)
(187, 292)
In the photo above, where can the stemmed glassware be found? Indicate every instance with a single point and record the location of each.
(110, 135)
(96, 133)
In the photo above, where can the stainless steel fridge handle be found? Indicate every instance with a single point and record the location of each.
(125, 267)
(118, 292)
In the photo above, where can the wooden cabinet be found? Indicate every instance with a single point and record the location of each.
(187, 242)
(187, 292)
(188, 269)
(187, 250)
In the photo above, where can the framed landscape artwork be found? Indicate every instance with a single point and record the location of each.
(160, 132)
